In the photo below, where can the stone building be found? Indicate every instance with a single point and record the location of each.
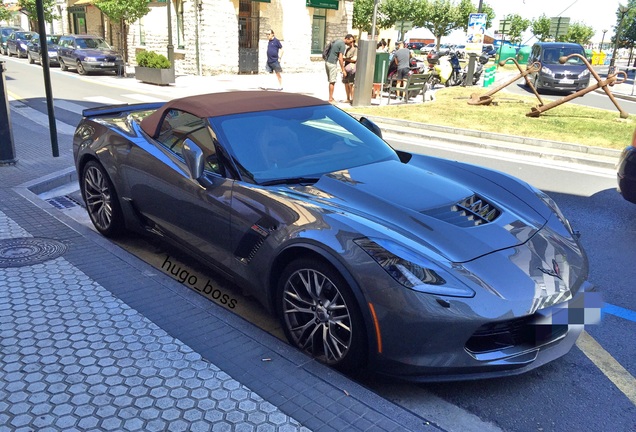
(220, 36)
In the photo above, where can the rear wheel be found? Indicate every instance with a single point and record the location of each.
(320, 315)
(101, 200)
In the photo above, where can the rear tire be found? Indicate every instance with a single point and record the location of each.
(101, 200)
(320, 314)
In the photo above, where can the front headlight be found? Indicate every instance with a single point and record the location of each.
(90, 59)
(585, 73)
(546, 70)
(413, 270)
(23, 46)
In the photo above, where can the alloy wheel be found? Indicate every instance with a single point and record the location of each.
(317, 316)
(98, 196)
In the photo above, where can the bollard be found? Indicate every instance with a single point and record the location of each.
(486, 77)
(7, 148)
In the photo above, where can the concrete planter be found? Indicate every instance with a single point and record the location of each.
(154, 76)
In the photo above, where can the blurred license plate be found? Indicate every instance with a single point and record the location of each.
(566, 81)
(108, 64)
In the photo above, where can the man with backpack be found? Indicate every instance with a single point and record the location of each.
(334, 59)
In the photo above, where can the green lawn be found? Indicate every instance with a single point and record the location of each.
(507, 115)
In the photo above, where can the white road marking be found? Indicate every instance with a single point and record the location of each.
(39, 118)
(103, 100)
(69, 106)
(143, 98)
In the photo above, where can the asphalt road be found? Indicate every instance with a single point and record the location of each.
(571, 394)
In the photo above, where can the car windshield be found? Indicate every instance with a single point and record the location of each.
(551, 56)
(23, 35)
(52, 39)
(92, 43)
(298, 143)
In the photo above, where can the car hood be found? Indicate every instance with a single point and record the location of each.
(428, 208)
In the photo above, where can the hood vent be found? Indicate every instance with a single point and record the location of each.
(469, 212)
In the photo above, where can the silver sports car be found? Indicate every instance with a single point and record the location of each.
(413, 266)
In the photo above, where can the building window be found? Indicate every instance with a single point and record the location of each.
(180, 31)
(142, 32)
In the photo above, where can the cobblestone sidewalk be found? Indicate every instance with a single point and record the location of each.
(74, 357)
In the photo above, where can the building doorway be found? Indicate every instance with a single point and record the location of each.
(248, 36)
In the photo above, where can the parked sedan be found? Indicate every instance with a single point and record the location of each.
(87, 54)
(415, 266)
(4, 34)
(34, 49)
(17, 43)
(626, 173)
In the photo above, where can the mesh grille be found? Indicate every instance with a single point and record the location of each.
(469, 212)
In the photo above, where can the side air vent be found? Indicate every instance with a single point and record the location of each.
(469, 212)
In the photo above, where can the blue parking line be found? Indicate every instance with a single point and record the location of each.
(619, 312)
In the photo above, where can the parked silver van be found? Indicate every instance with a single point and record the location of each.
(571, 76)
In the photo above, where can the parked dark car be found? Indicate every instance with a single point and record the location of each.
(4, 34)
(571, 76)
(415, 266)
(34, 49)
(17, 43)
(626, 173)
(415, 46)
(87, 54)
(489, 49)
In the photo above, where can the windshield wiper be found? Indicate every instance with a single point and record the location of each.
(291, 180)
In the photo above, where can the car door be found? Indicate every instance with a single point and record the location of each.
(64, 48)
(193, 213)
(11, 44)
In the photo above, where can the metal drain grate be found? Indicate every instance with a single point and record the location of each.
(24, 251)
(63, 202)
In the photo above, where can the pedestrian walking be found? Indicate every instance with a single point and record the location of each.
(350, 59)
(334, 60)
(274, 57)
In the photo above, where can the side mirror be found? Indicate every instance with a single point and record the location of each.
(371, 126)
(193, 156)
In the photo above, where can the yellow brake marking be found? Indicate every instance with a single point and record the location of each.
(616, 373)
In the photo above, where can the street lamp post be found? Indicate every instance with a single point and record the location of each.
(170, 46)
(602, 40)
(622, 10)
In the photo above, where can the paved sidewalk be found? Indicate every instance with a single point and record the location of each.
(92, 338)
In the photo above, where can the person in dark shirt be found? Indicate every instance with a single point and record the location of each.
(334, 61)
(274, 57)
(402, 58)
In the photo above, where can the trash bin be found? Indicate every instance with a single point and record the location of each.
(596, 58)
(588, 54)
(504, 52)
(523, 54)
(381, 68)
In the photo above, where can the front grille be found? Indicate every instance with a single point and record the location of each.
(521, 332)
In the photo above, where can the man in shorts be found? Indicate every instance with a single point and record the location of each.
(402, 59)
(274, 57)
(334, 61)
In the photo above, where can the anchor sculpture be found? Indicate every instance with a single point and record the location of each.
(612, 78)
(486, 98)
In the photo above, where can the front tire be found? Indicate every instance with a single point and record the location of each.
(30, 58)
(101, 200)
(80, 68)
(320, 315)
(63, 66)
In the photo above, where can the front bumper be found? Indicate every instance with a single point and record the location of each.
(546, 82)
(103, 65)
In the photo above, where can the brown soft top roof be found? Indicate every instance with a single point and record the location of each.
(220, 104)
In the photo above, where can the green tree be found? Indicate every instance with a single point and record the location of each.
(4, 13)
(29, 7)
(396, 12)
(541, 28)
(517, 25)
(124, 12)
(441, 17)
(362, 18)
(578, 33)
(466, 7)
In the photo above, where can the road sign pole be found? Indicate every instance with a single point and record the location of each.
(7, 149)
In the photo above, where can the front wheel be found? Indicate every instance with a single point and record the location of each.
(320, 315)
(30, 58)
(101, 200)
(63, 66)
(80, 68)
